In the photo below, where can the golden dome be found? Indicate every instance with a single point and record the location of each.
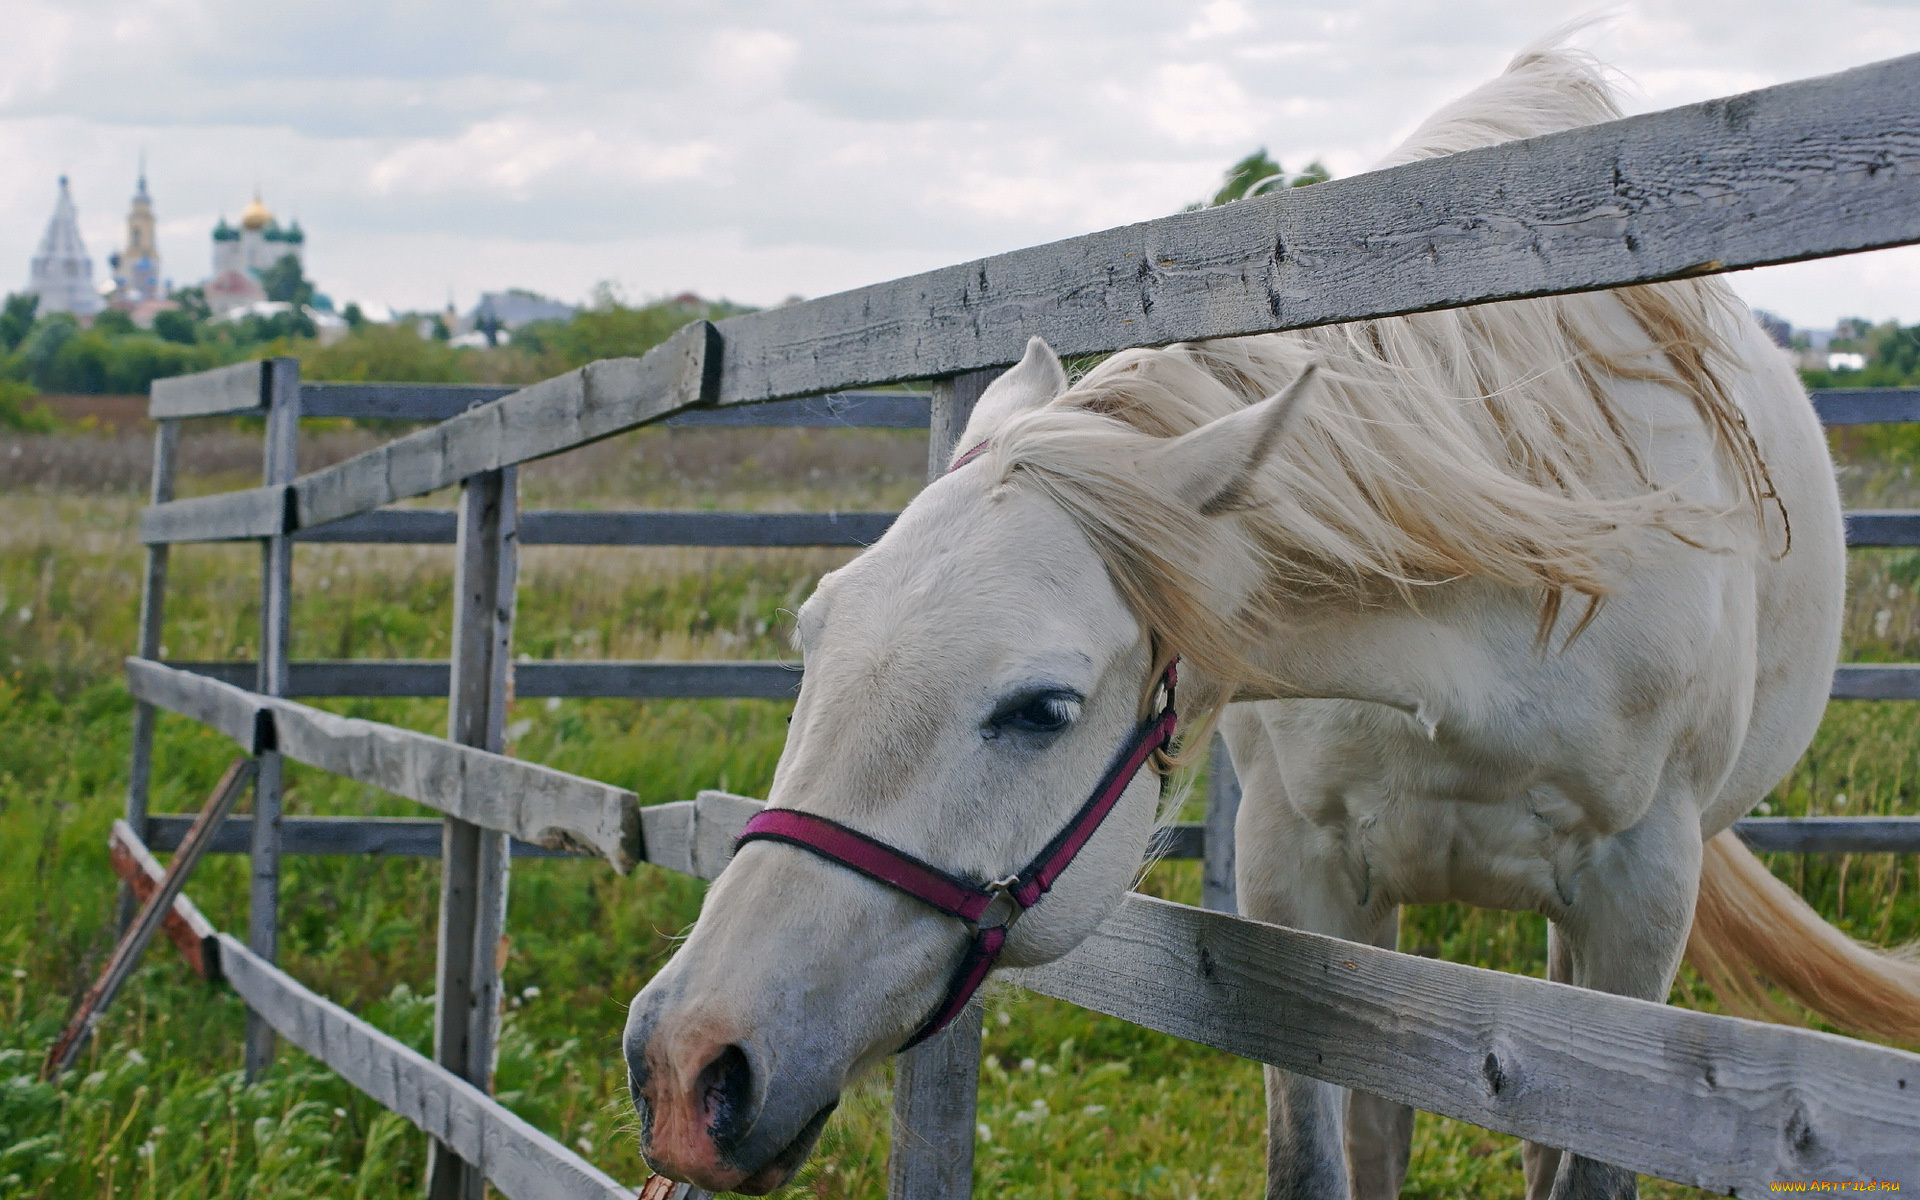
(255, 215)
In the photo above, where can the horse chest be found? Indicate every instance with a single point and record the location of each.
(1502, 812)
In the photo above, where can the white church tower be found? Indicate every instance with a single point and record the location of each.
(62, 274)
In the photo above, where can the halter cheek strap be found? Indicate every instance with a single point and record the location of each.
(979, 904)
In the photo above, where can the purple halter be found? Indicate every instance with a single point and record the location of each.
(957, 896)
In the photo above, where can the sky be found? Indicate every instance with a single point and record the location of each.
(758, 149)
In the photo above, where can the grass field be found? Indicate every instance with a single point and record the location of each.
(1071, 1104)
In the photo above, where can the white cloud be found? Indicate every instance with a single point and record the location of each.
(1201, 103)
(767, 147)
(1219, 17)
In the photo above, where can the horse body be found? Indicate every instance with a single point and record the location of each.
(1463, 763)
(1518, 605)
(1453, 756)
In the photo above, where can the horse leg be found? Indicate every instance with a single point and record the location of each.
(1540, 1162)
(1307, 1119)
(1624, 933)
(1379, 1131)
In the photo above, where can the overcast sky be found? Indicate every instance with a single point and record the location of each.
(755, 149)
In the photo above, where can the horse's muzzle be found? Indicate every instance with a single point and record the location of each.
(710, 1115)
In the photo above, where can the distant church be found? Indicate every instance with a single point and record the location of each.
(242, 255)
(61, 274)
(138, 287)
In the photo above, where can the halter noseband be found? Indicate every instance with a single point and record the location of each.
(979, 904)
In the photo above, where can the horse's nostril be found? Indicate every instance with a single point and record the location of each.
(725, 1093)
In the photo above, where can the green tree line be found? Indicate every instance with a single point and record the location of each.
(56, 353)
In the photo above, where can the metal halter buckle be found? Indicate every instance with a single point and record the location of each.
(1002, 889)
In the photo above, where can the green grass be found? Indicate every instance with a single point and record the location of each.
(1071, 1104)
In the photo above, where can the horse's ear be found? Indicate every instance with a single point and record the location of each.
(1212, 468)
(1037, 378)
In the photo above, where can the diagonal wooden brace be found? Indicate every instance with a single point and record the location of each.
(184, 924)
(126, 955)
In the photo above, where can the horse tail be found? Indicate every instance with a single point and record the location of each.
(1749, 930)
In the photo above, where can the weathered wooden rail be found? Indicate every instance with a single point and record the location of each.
(1820, 167)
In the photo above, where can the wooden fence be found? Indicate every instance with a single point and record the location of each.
(1820, 167)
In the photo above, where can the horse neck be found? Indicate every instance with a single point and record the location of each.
(1427, 658)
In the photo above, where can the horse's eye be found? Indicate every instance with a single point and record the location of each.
(1036, 712)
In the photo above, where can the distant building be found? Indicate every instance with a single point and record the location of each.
(242, 254)
(509, 310)
(136, 269)
(61, 274)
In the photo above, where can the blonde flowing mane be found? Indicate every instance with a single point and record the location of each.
(1477, 442)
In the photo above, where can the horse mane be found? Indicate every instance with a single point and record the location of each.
(1476, 442)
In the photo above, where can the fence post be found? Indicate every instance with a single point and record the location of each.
(280, 393)
(1223, 805)
(935, 1083)
(473, 862)
(153, 609)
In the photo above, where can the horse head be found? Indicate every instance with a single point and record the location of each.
(969, 678)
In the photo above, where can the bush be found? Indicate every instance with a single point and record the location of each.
(611, 329)
(384, 353)
(176, 325)
(21, 412)
(93, 362)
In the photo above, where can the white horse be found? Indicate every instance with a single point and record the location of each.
(1519, 605)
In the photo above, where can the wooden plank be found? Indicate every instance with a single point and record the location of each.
(1831, 835)
(1883, 527)
(1802, 170)
(533, 803)
(717, 819)
(1601, 1075)
(234, 711)
(666, 835)
(584, 405)
(1714, 1102)
(389, 526)
(841, 410)
(1876, 681)
(704, 528)
(438, 402)
(643, 680)
(518, 1159)
(396, 401)
(1816, 167)
(224, 391)
(339, 677)
(153, 912)
(223, 517)
(665, 828)
(659, 680)
(422, 526)
(185, 926)
(1866, 406)
(400, 837)
(474, 861)
(1218, 888)
(260, 512)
